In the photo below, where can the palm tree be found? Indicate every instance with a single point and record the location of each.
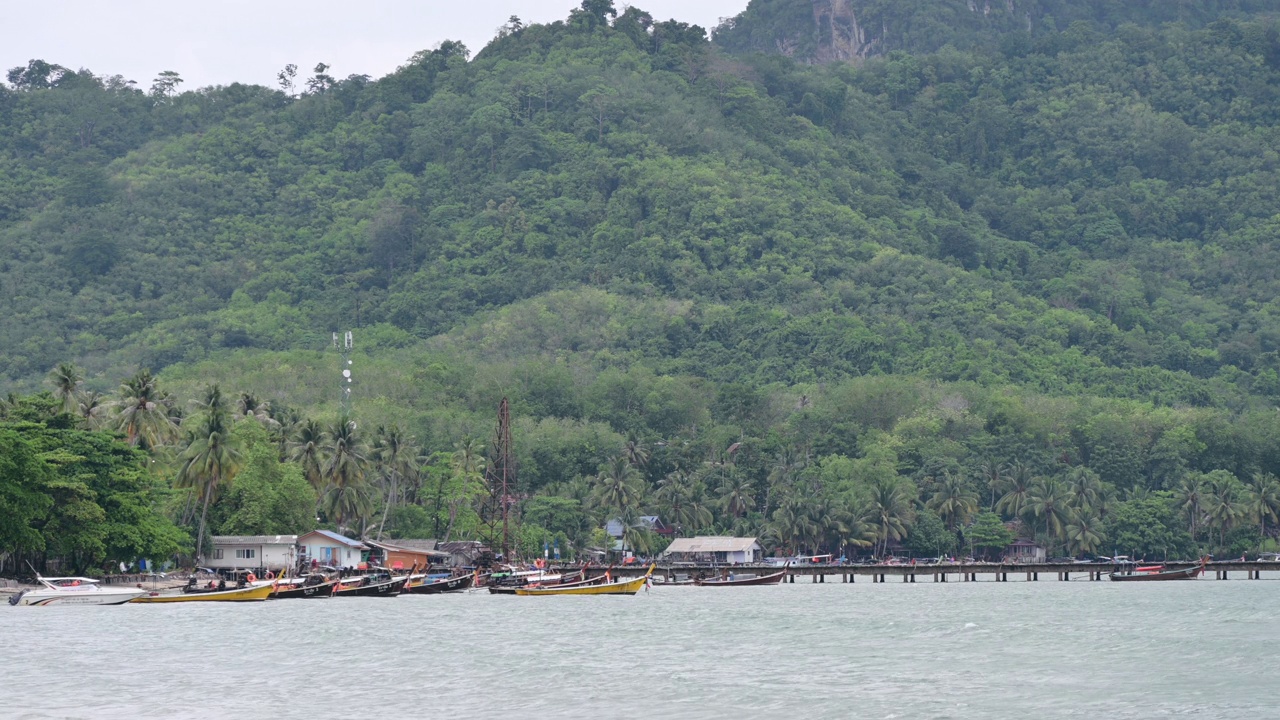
(890, 511)
(1189, 496)
(250, 406)
(345, 504)
(735, 493)
(66, 379)
(1085, 487)
(1262, 499)
(1014, 501)
(1048, 503)
(1222, 504)
(1084, 534)
(211, 458)
(395, 455)
(468, 466)
(344, 454)
(307, 449)
(91, 408)
(617, 486)
(996, 475)
(143, 413)
(635, 451)
(954, 502)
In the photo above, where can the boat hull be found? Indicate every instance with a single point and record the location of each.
(252, 593)
(1190, 573)
(456, 584)
(322, 590)
(620, 587)
(773, 579)
(386, 588)
(42, 598)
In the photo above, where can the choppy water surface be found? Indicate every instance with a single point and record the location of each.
(1202, 649)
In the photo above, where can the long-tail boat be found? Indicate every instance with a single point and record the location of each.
(453, 584)
(618, 587)
(730, 581)
(259, 590)
(1157, 572)
(315, 585)
(378, 584)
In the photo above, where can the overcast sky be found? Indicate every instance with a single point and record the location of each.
(218, 42)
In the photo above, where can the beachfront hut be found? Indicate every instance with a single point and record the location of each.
(401, 555)
(330, 548)
(714, 548)
(253, 552)
(1026, 551)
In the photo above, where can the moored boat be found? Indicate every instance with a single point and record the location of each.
(250, 592)
(731, 581)
(378, 584)
(1157, 572)
(453, 584)
(314, 585)
(617, 587)
(74, 591)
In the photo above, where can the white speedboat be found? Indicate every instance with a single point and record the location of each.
(75, 591)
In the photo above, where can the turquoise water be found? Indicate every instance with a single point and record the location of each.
(1200, 649)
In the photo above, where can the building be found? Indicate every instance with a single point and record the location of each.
(329, 548)
(714, 549)
(402, 555)
(1025, 551)
(652, 523)
(253, 552)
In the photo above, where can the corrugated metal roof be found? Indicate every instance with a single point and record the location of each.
(337, 538)
(255, 539)
(416, 544)
(709, 544)
(399, 546)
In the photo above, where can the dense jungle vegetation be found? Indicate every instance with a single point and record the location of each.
(1016, 281)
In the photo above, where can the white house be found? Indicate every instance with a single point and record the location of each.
(714, 548)
(252, 552)
(330, 548)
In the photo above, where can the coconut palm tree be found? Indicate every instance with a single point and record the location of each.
(736, 495)
(1222, 505)
(143, 413)
(91, 409)
(251, 406)
(65, 380)
(345, 454)
(954, 502)
(348, 505)
(1262, 499)
(617, 485)
(1018, 485)
(395, 455)
(890, 511)
(1084, 533)
(212, 457)
(635, 451)
(996, 476)
(1085, 488)
(467, 481)
(307, 449)
(1049, 503)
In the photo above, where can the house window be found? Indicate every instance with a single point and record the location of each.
(217, 554)
(244, 553)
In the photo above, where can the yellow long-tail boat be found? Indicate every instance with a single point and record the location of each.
(254, 591)
(620, 587)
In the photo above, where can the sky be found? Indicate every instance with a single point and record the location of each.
(218, 42)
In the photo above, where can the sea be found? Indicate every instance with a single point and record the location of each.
(1196, 649)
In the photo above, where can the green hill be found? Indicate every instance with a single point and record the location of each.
(1054, 246)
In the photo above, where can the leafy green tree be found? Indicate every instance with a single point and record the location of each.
(1148, 527)
(929, 536)
(143, 413)
(988, 535)
(24, 500)
(266, 497)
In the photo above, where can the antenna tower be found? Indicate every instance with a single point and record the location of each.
(344, 345)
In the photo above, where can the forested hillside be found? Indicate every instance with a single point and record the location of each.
(1025, 271)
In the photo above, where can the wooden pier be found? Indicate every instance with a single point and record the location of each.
(946, 572)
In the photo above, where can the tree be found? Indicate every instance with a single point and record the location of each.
(890, 511)
(143, 413)
(212, 456)
(286, 79)
(37, 75)
(165, 86)
(307, 450)
(321, 81)
(266, 497)
(1148, 527)
(929, 536)
(1019, 481)
(617, 486)
(1048, 503)
(954, 501)
(1223, 504)
(988, 534)
(395, 456)
(65, 380)
(1262, 500)
(24, 501)
(466, 472)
